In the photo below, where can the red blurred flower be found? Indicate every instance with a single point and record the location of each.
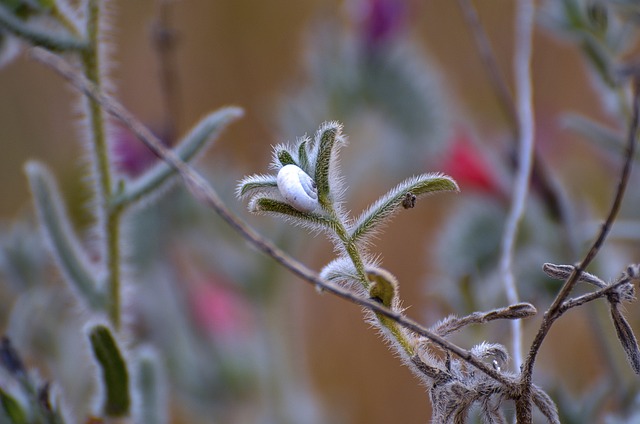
(219, 309)
(466, 164)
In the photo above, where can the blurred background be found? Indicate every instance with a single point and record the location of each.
(244, 341)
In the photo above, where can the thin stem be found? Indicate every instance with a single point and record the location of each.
(490, 63)
(109, 220)
(522, 69)
(556, 308)
(551, 194)
(204, 193)
(164, 41)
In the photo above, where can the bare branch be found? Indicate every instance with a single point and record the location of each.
(556, 308)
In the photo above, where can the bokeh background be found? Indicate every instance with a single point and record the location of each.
(244, 341)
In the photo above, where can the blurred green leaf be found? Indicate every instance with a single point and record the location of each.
(201, 136)
(12, 408)
(115, 376)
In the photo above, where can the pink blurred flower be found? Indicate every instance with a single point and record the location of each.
(219, 309)
(131, 156)
(466, 164)
(380, 19)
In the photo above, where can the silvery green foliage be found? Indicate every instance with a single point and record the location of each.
(391, 97)
(313, 175)
(472, 235)
(604, 31)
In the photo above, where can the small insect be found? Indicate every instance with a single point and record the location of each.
(409, 200)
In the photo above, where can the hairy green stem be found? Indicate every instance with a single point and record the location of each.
(109, 219)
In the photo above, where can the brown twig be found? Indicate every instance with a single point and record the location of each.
(204, 193)
(558, 306)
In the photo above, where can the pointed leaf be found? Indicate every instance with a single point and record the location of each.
(327, 135)
(303, 157)
(545, 404)
(255, 184)
(37, 34)
(626, 337)
(70, 257)
(563, 272)
(400, 197)
(198, 139)
(268, 205)
(151, 398)
(115, 376)
(12, 408)
(285, 158)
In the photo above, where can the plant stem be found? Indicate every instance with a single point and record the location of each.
(524, 108)
(108, 220)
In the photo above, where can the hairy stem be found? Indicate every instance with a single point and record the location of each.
(108, 220)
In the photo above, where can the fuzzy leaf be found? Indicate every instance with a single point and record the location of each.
(255, 184)
(303, 157)
(12, 408)
(562, 272)
(453, 323)
(328, 136)
(268, 205)
(545, 404)
(285, 158)
(626, 337)
(340, 269)
(392, 202)
(383, 288)
(198, 139)
(37, 34)
(115, 377)
(151, 405)
(71, 259)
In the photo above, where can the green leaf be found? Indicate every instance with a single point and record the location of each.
(201, 136)
(38, 35)
(328, 135)
(152, 405)
(285, 158)
(115, 376)
(66, 248)
(384, 289)
(256, 183)
(268, 205)
(400, 197)
(12, 408)
(303, 157)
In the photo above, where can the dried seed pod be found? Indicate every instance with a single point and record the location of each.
(297, 188)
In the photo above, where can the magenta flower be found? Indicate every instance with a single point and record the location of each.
(381, 19)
